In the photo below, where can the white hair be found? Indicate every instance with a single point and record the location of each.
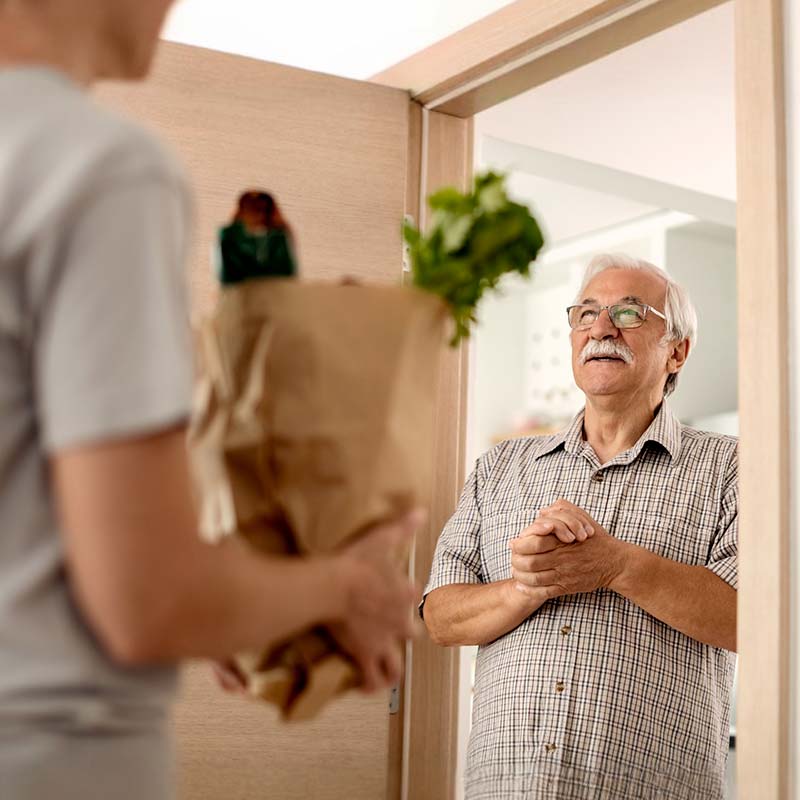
(679, 310)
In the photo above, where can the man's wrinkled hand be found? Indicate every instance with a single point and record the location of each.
(565, 552)
(565, 521)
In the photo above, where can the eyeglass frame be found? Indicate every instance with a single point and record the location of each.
(601, 309)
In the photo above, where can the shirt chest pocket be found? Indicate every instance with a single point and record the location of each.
(496, 533)
(679, 535)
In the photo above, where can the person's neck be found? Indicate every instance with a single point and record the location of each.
(612, 425)
(27, 41)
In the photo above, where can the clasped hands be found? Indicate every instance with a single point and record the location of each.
(564, 551)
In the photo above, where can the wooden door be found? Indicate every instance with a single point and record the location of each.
(335, 154)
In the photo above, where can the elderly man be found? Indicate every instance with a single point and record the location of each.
(596, 568)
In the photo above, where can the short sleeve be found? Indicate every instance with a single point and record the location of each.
(724, 549)
(457, 558)
(112, 347)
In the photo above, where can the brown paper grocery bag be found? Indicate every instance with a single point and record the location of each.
(313, 421)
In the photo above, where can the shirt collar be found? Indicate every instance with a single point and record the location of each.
(665, 429)
(571, 438)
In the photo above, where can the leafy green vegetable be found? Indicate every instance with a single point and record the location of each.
(474, 239)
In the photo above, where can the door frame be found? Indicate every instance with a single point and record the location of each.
(523, 45)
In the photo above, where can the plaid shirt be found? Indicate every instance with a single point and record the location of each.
(591, 698)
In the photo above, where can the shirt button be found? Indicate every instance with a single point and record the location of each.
(549, 747)
(597, 477)
(566, 630)
(560, 686)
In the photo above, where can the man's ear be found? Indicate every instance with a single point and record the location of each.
(678, 354)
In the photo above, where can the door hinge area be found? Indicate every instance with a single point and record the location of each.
(409, 220)
(394, 700)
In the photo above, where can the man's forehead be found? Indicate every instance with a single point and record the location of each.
(625, 285)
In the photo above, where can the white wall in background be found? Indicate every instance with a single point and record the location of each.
(662, 108)
(550, 391)
(565, 211)
(703, 258)
(497, 368)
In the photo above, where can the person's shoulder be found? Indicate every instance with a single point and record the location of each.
(100, 141)
(60, 151)
(724, 441)
(522, 449)
(59, 137)
(127, 149)
(719, 445)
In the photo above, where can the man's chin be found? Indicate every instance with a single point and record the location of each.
(601, 388)
(603, 377)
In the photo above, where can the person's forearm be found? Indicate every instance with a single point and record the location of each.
(468, 614)
(691, 599)
(147, 584)
(217, 600)
(152, 591)
(229, 598)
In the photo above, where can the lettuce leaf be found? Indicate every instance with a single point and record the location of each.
(474, 239)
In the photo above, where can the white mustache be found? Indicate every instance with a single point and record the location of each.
(606, 347)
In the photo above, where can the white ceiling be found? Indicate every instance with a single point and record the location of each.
(662, 108)
(352, 38)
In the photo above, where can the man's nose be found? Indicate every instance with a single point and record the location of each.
(603, 327)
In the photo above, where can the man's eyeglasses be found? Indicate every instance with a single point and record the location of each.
(622, 315)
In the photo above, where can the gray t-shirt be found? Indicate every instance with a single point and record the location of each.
(94, 346)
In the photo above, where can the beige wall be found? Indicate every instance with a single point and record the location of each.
(334, 152)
